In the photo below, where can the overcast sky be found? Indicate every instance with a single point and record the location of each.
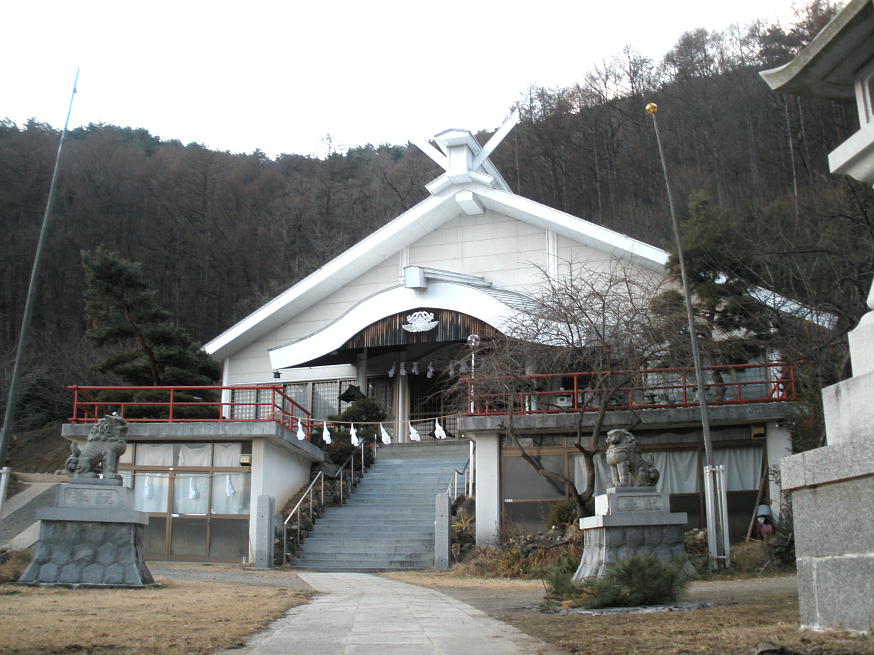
(280, 76)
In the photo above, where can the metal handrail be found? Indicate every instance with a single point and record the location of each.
(454, 484)
(307, 492)
(655, 389)
(349, 459)
(279, 408)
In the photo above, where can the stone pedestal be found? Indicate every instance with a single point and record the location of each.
(91, 537)
(831, 490)
(629, 521)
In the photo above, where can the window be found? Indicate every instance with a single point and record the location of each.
(198, 496)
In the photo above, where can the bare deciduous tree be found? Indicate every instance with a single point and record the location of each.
(588, 320)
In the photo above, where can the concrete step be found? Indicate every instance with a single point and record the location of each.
(357, 552)
(410, 524)
(371, 544)
(357, 568)
(382, 564)
(369, 533)
(371, 511)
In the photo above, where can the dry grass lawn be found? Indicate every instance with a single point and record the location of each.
(750, 612)
(177, 618)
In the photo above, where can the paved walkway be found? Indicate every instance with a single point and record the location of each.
(361, 614)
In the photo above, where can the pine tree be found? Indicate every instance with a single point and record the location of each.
(146, 347)
(734, 326)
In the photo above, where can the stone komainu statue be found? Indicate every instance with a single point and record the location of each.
(627, 466)
(107, 440)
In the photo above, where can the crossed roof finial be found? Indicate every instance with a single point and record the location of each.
(463, 159)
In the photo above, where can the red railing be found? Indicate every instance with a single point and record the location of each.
(192, 404)
(647, 389)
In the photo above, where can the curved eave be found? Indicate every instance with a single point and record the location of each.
(410, 226)
(473, 301)
(571, 227)
(827, 66)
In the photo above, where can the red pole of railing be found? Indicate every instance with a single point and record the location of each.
(75, 404)
(575, 386)
(172, 399)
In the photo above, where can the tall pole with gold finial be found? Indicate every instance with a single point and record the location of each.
(716, 506)
(12, 398)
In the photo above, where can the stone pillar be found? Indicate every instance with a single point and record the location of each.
(264, 511)
(441, 532)
(779, 445)
(402, 408)
(361, 371)
(831, 491)
(488, 489)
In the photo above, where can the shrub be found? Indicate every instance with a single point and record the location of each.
(558, 578)
(636, 580)
(13, 565)
(749, 557)
(562, 514)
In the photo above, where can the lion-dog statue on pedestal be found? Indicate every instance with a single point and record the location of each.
(107, 440)
(628, 467)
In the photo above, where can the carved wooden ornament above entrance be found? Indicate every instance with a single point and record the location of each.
(420, 322)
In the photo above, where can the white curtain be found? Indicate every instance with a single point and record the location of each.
(191, 493)
(155, 454)
(150, 491)
(194, 454)
(678, 471)
(230, 493)
(602, 473)
(743, 467)
(227, 454)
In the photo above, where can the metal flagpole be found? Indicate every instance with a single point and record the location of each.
(12, 398)
(717, 535)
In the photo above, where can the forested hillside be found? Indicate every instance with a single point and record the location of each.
(218, 233)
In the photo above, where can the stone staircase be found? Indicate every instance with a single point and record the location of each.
(388, 522)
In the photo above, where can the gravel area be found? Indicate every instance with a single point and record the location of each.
(228, 573)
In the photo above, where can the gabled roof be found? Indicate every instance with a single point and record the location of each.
(405, 230)
(462, 189)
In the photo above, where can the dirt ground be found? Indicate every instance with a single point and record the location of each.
(751, 616)
(179, 617)
(202, 609)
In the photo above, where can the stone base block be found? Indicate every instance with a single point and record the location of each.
(834, 535)
(847, 410)
(603, 546)
(79, 553)
(836, 593)
(629, 521)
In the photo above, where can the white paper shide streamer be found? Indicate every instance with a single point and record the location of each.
(385, 438)
(353, 435)
(439, 432)
(301, 435)
(193, 493)
(414, 434)
(326, 434)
